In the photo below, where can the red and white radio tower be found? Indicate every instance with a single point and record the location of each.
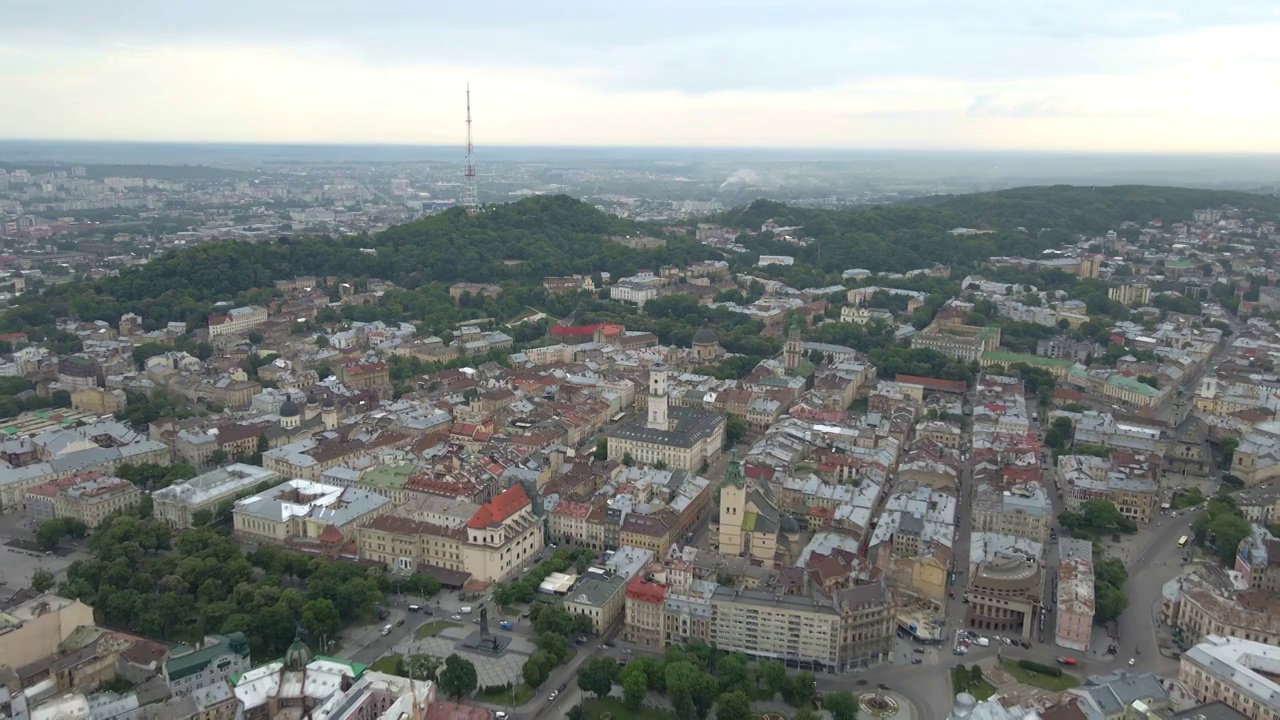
(470, 200)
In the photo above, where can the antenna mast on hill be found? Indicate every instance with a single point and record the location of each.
(470, 200)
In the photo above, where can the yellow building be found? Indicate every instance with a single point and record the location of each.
(849, 629)
(404, 544)
(1131, 294)
(503, 536)
(600, 598)
(749, 521)
(32, 631)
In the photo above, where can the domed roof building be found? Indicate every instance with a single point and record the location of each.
(290, 414)
(706, 344)
(298, 656)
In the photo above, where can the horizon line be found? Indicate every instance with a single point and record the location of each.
(755, 148)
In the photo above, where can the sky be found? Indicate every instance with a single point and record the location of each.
(1043, 75)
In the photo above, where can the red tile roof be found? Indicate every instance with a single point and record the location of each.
(648, 592)
(955, 386)
(579, 331)
(500, 508)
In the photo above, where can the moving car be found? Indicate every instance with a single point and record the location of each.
(504, 625)
(386, 629)
(554, 694)
(465, 610)
(1066, 661)
(1131, 662)
(455, 617)
(415, 608)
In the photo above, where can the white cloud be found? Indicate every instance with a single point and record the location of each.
(1208, 89)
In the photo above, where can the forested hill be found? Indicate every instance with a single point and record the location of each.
(528, 240)
(913, 234)
(525, 241)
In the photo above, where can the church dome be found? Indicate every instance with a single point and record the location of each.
(789, 524)
(312, 400)
(288, 408)
(705, 336)
(298, 656)
(328, 403)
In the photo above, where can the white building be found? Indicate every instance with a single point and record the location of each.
(177, 503)
(236, 320)
(1241, 673)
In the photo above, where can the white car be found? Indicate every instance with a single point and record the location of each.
(554, 694)
(1131, 662)
(456, 617)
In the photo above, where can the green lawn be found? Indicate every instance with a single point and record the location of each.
(433, 628)
(389, 664)
(503, 697)
(962, 681)
(1047, 682)
(597, 708)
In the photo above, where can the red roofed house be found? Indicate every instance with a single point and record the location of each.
(644, 612)
(502, 536)
(956, 387)
(600, 332)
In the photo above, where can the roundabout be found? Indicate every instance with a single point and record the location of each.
(884, 705)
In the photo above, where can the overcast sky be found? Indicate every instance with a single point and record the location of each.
(1105, 75)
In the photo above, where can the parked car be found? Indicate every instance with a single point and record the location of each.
(562, 687)
(918, 650)
(399, 622)
(916, 661)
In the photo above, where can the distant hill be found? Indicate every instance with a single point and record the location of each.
(556, 235)
(913, 234)
(545, 235)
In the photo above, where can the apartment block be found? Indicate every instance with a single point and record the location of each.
(1075, 594)
(87, 497)
(1241, 673)
(850, 629)
(236, 320)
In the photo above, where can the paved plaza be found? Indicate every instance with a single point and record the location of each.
(490, 670)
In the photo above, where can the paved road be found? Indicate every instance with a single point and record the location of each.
(1158, 562)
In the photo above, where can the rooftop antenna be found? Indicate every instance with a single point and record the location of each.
(470, 200)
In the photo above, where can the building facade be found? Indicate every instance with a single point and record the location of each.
(1241, 673)
(1004, 596)
(681, 438)
(236, 320)
(851, 629)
